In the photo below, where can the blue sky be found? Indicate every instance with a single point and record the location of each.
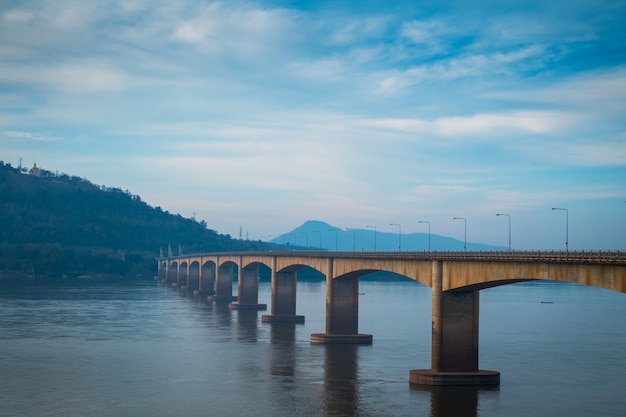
(266, 114)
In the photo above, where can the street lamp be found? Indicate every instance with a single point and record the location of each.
(465, 231)
(373, 227)
(509, 216)
(333, 230)
(353, 239)
(428, 223)
(399, 235)
(318, 231)
(566, 227)
(307, 238)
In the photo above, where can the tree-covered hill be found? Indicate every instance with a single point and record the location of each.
(58, 225)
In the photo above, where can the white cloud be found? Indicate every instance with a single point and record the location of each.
(478, 65)
(238, 31)
(29, 136)
(355, 30)
(490, 124)
(19, 16)
(431, 36)
(78, 76)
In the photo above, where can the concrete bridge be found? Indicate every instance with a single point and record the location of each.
(456, 279)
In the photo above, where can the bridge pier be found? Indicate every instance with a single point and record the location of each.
(181, 276)
(171, 274)
(248, 286)
(454, 356)
(206, 281)
(342, 311)
(224, 284)
(193, 276)
(283, 298)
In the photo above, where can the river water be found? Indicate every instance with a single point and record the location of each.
(142, 349)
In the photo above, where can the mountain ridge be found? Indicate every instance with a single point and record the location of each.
(324, 236)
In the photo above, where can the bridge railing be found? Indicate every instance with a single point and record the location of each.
(585, 257)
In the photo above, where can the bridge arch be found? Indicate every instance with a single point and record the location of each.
(254, 263)
(475, 276)
(492, 284)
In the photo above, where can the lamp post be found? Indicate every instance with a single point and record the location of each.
(318, 231)
(333, 230)
(373, 227)
(307, 238)
(509, 216)
(353, 239)
(566, 226)
(465, 231)
(428, 223)
(399, 235)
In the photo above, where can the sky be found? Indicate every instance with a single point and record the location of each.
(260, 115)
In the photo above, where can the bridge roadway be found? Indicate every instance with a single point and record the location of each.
(456, 279)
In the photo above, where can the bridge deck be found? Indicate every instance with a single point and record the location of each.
(583, 257)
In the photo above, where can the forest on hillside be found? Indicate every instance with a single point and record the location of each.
(55, 225)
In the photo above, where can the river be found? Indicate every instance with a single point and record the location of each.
(139, 348)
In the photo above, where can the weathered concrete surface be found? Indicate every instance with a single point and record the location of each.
(355, 339)
(248, 286)
(224, 282)
(454, 353)
(431, 377)
(283, 298)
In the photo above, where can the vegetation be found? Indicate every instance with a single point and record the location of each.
(55, 225)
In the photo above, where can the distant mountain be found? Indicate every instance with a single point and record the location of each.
(55, 225)
(316, 234)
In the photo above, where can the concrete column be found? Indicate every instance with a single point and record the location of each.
(181, 275)
(283, 298)
(207, 279)
(459, 328)
(193, 278)
(342, 311)
(172, 273)
(248, 286)
(224, 284)
(161, 271)
(454, 354)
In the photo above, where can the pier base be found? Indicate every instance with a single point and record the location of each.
(234, 306)
(221, 298)
(352, 339)
(266, 318)
(478, 378)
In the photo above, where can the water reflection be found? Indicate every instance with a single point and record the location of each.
(454, 401)
(340, 380)
(283, 357)
(223, 315)
(247, 330)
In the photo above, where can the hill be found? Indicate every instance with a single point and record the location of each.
(321, 235)
(58, 225)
